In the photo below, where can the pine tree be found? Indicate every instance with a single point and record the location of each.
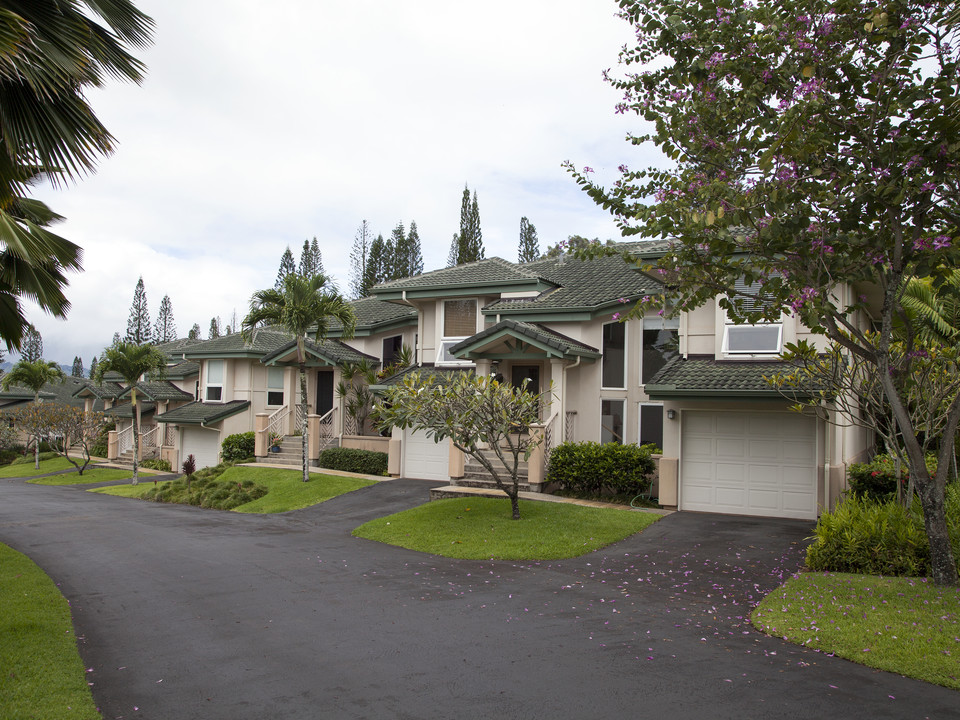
(376, 263)
(77, 370)
(529, 244)
(116, 340)
(359, 257)
(214, 328)
(397, 253)
(414, 251)
(467, 245)
(317, 259)
(31, 349)
(194, 333)
(165, 330)
(287, 267)
(138, 323)
(93, 366)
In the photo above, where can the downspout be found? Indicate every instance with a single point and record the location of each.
(826, 459)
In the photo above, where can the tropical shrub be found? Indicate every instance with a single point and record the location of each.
(589, 468)
(239, 446)
(157, 464)
(29, 458)
(368, 462)
(878, 537)
(207, 493)
(877, 479)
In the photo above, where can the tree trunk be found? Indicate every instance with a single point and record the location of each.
(36, 442)
(303, 420)
(136, 437)
(943, 567)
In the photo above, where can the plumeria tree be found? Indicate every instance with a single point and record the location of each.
(474, 411)
(77, 430)
(810, 151)
(34, 375)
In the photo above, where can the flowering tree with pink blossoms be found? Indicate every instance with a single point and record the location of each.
(812, 151)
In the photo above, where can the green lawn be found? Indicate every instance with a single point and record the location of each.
(90, 475)
(41, 674)
(904, 625)
(27, 470)
(287, 491)
(482, 528)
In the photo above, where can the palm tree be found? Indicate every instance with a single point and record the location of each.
(34, 375)
(51, 52)
(933, 308)
(305, 307)
(131, 362)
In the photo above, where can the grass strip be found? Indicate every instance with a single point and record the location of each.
(482, 528)
(903, 625)
(90, 475)
(285, 488)
(41, 674)
(26, 469)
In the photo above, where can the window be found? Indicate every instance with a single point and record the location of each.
(660, 345)
(215, 373)
(760, 339)
(651, 424)
(459, 323)
(613, 373)
(746, 339)
(275, 386)
(391, 349)
(611, 421)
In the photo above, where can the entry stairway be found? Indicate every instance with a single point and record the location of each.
(291, 451)
(476, 476)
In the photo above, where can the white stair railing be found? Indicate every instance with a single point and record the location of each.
(170, 435)
(148, 438)
(551, 439)
(125, 440)
(276, 423)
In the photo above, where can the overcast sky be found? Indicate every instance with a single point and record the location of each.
(260, 125)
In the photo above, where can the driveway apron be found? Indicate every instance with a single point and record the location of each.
(184, 613)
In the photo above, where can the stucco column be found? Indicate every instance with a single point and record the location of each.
(483, 367)
(112, 445)
(555, 396)
(313, 437)
(456, 462)
(261, 441)
(536, 464)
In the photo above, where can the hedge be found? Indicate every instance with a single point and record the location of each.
(368, 462)
(590, 468)
(239, 446)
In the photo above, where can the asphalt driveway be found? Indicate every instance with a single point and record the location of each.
(184, 614)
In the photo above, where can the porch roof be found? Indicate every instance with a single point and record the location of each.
(330, 352)
(126, 410)
(705, 376)
(200, 413)
(521, 340)
(158, 390)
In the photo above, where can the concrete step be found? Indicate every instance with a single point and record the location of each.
(490, 483)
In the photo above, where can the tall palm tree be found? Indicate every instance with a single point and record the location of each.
(34, 375)
(50, 52)
(305, 307)
(131, 362)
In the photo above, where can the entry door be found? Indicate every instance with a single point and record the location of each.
(324, 392)
(526, 372)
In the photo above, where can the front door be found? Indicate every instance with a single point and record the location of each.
(324, 392)
(530, 373)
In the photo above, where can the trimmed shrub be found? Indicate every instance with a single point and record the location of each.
(872, 537)
(368, 462)
(23, 459)
(239, 446)
(589, 468)
(877, 479)
(157, 464)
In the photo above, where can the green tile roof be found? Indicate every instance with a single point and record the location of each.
(547, 341)
(331, 352)
(700, 376)
(375, 315)
(260, 342)
(469, 278)
(126, 410)
(200, 413)
(159, 390)
(439, 375)
(182, 370)
(585, 287)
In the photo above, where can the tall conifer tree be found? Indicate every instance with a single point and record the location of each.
(215, 328)
(31, 349)
(359, 257)
(287, 267)
(397, 253)
(376, 264)
(77, 370)
(138, 323)
(467, 245)
(165, 329)
(529, 244)
(414, 251)
(194, 333)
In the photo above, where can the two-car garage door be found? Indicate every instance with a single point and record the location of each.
(749, 463)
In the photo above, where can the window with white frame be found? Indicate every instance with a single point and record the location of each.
(613, 373)
(216, 369)
(459, 323)
(764, 338)
(275, 386)
(611, 421)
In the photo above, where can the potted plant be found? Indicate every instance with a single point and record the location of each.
(275, 441)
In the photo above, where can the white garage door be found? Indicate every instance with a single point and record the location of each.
(203, 444)
(749, 464)
(423, 458)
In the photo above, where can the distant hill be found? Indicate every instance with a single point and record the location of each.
(67, 369)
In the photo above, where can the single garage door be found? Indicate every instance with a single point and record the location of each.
(424, 459)
(749, 464)
(203, 444)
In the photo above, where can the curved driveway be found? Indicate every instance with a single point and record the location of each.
(190, 614)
